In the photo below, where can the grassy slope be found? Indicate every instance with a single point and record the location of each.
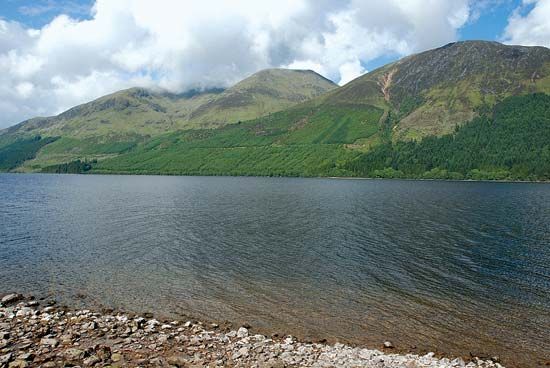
(262, 93)
(307, 140)
(132, 112)
(514, 144)
(112, 124)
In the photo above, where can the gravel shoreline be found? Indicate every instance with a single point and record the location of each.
(36, 335)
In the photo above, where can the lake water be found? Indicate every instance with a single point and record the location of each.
(454, 267)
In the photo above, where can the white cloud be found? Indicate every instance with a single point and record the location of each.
(179, 45)
(350, 70)
(529, 24)
(24, 89)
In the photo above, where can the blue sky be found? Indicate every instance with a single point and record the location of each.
(49, 62)
(37, 13)
(489, 25)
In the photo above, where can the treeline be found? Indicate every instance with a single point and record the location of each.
(14, 154)
(512, 144)
(74, 167)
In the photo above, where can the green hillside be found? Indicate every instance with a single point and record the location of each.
(114, 123)
(307, 140)
(264, 92)
(512, 143)
(432, 92)
(467, 110)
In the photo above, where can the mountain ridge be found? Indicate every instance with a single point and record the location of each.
(422, 97)
(446, 86)
(178, 110)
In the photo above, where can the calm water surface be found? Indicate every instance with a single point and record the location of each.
(455, 267)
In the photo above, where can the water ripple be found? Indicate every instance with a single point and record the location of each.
(454, 267)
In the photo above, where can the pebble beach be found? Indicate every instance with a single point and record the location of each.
(40, 334)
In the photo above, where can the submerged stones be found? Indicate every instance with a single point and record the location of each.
(53, 337)
(11, 298)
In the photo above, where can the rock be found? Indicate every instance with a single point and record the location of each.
(91, 361)
(286, 356)
(241, 353)
(6, 358)
(158, 362)
(90, 326)
(11, 298)
(458, 362)
(66, 340)
(49, 342)
(152, 343)
(74, 354)
(178, 360)
(273, 363)
(26, 356)
(242, 333)
(116, 357)
(103, 352)
(18, 364)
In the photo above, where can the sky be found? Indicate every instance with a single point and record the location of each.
(55, 54)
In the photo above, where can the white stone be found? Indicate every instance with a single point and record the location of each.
(242, 332)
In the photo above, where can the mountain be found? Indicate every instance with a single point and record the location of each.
(144, 112)
(117, 122)
(432, 92)
(466, 110)
(260, 94)
(131, 112)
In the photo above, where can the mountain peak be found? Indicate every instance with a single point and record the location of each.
(263, 92)
(433, 91)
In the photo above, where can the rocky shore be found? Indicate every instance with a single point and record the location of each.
(39, 334)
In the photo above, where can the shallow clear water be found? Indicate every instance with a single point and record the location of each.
(455, 267)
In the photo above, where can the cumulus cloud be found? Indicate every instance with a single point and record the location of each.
(529, 24)
(177, 45)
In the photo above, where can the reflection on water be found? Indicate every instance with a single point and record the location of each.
(453, 267)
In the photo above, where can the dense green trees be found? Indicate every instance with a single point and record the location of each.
(74, 167)
(14, 154)
(514, 144)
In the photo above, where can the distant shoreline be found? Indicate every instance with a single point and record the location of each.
(122, 173)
